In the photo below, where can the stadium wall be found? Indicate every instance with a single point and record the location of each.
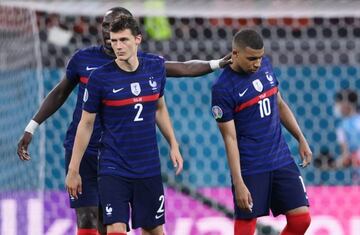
(314, 57)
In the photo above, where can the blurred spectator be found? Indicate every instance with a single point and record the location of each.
(348, 131)
(325, 160)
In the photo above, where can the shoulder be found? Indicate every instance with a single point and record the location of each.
(356, 121)
(92, 49)
(224, 80)
(142, 54)
(89, 51)
(152, 63)
(104, 69)
(266, 59)
(266, 62)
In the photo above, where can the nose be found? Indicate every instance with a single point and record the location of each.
(257, 63)
(119, 45)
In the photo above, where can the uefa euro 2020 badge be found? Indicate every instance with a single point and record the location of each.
(217, 112)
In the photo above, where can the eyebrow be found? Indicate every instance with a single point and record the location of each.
(254, 57)
(121, 39)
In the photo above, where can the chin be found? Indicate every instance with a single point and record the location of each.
(122, 58)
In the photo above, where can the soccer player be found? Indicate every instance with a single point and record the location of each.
(348, 131)
(127, 95)
(77, 72)
(249, 110)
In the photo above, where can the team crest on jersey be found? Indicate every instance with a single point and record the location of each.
(217, 112)
(86, 95)
(258, 85)
(152, 83)
(269, 77)
(108, 209)
(135, 88)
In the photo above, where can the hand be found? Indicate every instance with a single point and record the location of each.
(22, 150)
(344, 160)
(73, 183)
(176, 159)
(225, 60)
(305, 153)
(243, 197)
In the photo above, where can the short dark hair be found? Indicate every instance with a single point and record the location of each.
(120, 11)
(125, 22)
(347, 95)
(248, 38)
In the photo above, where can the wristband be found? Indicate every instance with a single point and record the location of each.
(31, 127)
(214, 64)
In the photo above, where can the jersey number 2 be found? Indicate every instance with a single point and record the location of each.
(161, 208)
(265, 108)
(137, 116)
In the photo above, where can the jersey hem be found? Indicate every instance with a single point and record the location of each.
(270, 169)
(129, 177)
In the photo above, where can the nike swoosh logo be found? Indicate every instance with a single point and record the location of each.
(159, 216)
(117, 90)
(243, 93)
(90, 68)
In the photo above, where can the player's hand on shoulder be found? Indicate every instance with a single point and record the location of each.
(176, 159)
(305, 153)
(22, 149)
(243, 197)
(73, 183)
(225, 60)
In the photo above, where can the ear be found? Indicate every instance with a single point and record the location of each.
(235, 53)
(138, 39)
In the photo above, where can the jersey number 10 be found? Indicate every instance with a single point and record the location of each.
(264, 107)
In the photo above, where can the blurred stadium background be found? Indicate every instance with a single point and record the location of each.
(314, 46)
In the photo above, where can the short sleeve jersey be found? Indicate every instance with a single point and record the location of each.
(251, 101)
(126, 104)
(78, 70)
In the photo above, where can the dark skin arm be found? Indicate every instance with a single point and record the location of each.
(192, 68)
(55, 99)
(242, 194)
(52, 102)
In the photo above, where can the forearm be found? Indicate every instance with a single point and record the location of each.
(53, 101)
(233, 158)
(288, 120)
(49, 106)
(228, 133)
(82, 138)
(164, 124)
(190, 68)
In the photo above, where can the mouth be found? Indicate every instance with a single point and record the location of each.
(120, 53)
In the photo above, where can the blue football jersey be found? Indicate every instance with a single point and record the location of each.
(126, 104)
(78, 70)
(251, 101)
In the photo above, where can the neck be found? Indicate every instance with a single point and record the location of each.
(108, 51)
(237, 68)
(352, 112)
(129, 65)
